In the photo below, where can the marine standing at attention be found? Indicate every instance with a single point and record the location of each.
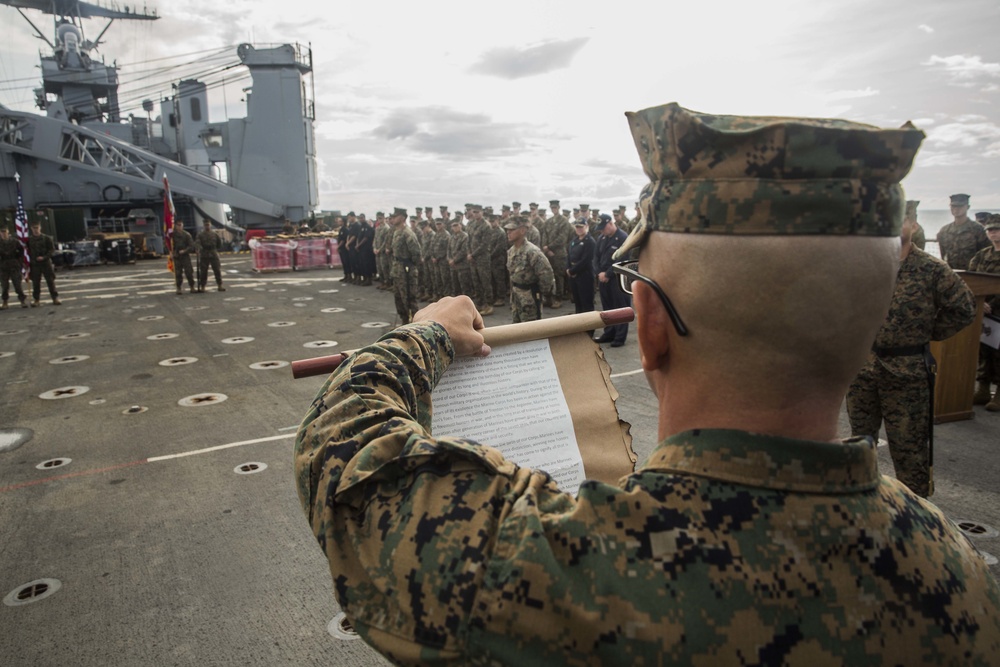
(961, 239)
(40, 248)
(208, 243)
(987, 260)
(181, 247)
(11, 261)
(752, 534)
(405, 260)
(930, 302)
(531, 278)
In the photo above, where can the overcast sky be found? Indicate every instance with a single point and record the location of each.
(424, 103)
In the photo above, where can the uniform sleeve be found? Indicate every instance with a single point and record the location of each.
(956, 307)
(546, 277)
(407, 522)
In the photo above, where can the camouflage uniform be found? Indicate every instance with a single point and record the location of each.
(498, 261)
(181, 247)
(458, 263)
(426, 279)
(11, 262)
(959, 242)
(405, 260)
(208, 243)
(930, 303)
(556, 236)
(383, 247)
(481, 248)
(42, 246)
(987, 260)
(440, 273)
(530, 280)
(725, 548)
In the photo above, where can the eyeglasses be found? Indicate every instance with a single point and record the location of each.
(628, 275)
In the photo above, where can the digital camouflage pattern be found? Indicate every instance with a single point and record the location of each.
(930, 302)
(405, 271)
(208, 243)
(557, 233)
(762, 175)
(481, 247)
(181, 247)
(498, 264)
(11, 261)
(530, 279)
(458, 262)
(959, 242)
(725, 548)
(41, 249)
(987, 260)
(440, 274)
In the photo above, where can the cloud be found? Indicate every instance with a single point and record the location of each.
(977, 138)
(851, 94)
(965, 71)
(518, 63)
(926, 28)
(442, 131)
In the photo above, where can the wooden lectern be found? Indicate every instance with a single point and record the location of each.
(958, 356)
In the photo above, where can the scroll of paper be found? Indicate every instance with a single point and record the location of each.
(543, 397)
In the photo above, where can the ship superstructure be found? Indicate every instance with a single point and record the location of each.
(94, 167)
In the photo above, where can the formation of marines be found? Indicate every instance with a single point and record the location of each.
(424, 257)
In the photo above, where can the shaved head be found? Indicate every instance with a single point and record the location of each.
(772, 318)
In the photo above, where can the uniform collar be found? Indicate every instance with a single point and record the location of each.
(769, 461)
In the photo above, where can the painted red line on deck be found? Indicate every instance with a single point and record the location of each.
(71, 474)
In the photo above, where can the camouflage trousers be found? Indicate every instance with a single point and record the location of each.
(182, 269)
(558, 264)
(204, 262)
(482, 281)
(461, 280)
(405, 283)
(525, 305)
(8, 276)
(499, 273)
(441, 278)
(384, 264)
(39, 270)
(903, 403)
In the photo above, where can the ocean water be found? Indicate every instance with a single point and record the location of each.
(933, 220)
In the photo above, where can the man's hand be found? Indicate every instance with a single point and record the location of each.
(602, 276)
(459, 317)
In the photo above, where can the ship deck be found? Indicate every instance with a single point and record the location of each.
(164, 550)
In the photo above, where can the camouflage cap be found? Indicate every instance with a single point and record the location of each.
(960, 200)
(516, 222)
(911, 208)
(398, 211)
(533, 205)
(992, 222)
(553, 202)
(584, 207)
(505, 207)
(982, 216)
(516, 203)
(768, 175)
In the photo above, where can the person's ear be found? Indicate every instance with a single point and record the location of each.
(652, 323)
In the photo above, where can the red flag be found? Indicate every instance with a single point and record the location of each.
(168, 223)
(21, 227)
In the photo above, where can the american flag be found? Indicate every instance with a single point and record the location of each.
(168, 223)
(21, 226)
